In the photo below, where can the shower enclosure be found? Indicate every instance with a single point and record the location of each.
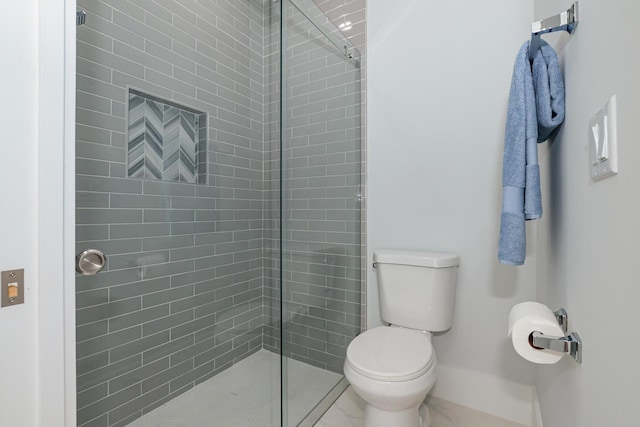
(218, 171)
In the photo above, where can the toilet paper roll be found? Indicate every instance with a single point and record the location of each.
(526, 318)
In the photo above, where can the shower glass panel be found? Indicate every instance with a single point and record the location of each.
(187, 176)
(320, 190)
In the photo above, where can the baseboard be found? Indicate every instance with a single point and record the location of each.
(486, 393)
(536, 420)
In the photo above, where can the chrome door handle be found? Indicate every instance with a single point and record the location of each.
(90, 262)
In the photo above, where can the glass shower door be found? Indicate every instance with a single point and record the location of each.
(228, 211)
(321, 217)
(169, 187)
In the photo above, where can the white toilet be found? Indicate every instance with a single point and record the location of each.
(393, 367)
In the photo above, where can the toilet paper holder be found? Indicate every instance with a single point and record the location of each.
(570, 344)
(563, 320)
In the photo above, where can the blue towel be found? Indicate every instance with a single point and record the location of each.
(536, 108)
(521, 135)
(549, 89)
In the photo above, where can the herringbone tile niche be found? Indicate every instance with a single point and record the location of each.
(166, 141)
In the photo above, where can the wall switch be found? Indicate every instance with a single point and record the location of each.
(603, 141)
(11, 287)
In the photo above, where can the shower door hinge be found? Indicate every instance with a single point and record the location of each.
(81, 17)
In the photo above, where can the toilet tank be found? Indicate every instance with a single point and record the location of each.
(416, 289)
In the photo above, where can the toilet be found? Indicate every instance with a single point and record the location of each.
(393, 367)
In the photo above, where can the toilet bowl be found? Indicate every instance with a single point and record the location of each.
(393, 370)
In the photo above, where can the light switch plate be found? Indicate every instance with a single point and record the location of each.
(603, 142)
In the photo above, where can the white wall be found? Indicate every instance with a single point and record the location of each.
(56, 238)
(32, 337)
(439, 77)
(588, 256)
(18, 208)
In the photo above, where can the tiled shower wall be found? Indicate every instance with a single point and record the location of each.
(322, 295)
(181, 298)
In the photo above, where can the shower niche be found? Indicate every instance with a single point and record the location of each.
(165, 141)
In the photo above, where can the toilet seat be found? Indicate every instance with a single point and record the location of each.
(390, 354)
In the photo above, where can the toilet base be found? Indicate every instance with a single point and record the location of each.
(413, 417)
(425, 417)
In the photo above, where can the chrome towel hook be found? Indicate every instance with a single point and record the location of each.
(565, 21)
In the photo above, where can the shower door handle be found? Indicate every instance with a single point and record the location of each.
(90, 262)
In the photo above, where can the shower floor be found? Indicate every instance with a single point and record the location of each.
(245, 395)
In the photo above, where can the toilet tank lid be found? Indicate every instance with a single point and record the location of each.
(417, 258)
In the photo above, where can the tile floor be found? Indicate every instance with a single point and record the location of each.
(245, 395)
(348, 412)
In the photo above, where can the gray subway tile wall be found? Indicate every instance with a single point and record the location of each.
(181, 296)
(192, 281)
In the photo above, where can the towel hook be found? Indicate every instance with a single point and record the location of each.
(565, 21)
